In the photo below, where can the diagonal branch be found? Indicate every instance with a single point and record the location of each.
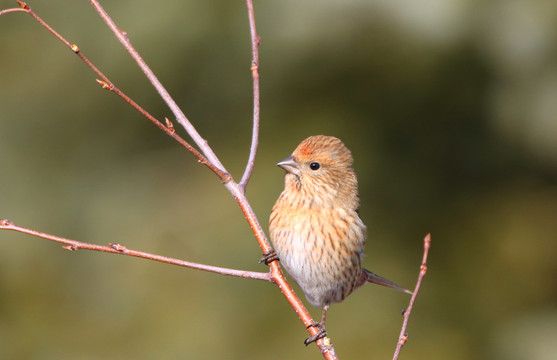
(73, 245)
(403, 337)
(255, 41)
(109, 85)
(180, 117)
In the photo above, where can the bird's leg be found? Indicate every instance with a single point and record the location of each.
(269, 257)
(324, 316)
(321, 326)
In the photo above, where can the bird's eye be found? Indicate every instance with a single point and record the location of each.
(314, 166)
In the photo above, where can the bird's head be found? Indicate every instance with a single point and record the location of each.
(321, 168)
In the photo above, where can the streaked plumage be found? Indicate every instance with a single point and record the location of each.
(315, 227)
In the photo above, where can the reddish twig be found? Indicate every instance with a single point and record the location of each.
(180, 117)
(73, 245)
(109, 85)
(255, 41)
(22, 8)
(403, 337)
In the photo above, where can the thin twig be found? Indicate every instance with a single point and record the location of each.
(403, 337)
(180, 117)
(22, 8)
(107, 84)
(73, 245)
(255, 41)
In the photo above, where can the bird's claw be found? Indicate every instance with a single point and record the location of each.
(269, 257)
(320, 334)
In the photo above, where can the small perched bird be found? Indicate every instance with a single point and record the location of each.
(315, 227)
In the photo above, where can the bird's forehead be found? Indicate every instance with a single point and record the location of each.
(306, 151)
(309, 151)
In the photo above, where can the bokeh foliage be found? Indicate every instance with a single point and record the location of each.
(450, 109)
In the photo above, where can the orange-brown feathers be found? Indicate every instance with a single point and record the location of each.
(323, 148)
(333, 182)
(314, 225)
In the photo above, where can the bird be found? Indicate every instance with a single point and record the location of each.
(315, 227)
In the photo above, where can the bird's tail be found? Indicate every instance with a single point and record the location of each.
(368, 276)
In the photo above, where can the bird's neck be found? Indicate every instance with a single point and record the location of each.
(298, 194)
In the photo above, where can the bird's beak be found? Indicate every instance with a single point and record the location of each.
(289, 165)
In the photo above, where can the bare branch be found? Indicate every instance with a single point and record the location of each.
(180, 117)
(255, 41)
(106, 84)
(73, 245)
(22, 8)
(403, 337)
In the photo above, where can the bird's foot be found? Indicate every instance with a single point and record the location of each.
(320, 334)
(269, 257)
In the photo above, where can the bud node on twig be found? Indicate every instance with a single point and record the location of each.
(70, 247)
(104, 85)
(75, 48)
(23, 5)
(124, 34)
(118, 247)
(169, 125)
(5, 222)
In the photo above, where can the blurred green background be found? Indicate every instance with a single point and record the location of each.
(450, 109)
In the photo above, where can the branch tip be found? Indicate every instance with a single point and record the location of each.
(403, 337)
(23, 5)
